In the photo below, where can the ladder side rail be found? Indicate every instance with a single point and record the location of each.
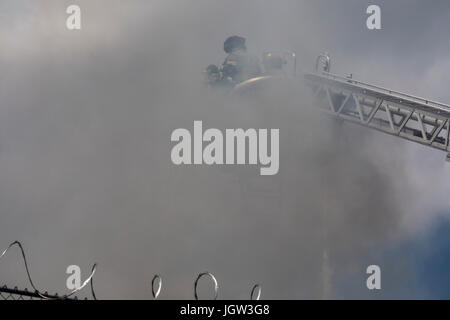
(389, 91)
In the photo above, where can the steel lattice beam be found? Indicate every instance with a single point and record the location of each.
(395, 113)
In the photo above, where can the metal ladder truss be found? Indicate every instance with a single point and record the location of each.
(395, 113)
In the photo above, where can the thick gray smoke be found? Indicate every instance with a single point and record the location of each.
(85, 169)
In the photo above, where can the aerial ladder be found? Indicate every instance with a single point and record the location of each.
(403, 115)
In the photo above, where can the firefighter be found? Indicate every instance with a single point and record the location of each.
(239, 65)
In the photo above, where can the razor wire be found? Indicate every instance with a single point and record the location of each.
(46, 296)
(157, 286)
(7, 293)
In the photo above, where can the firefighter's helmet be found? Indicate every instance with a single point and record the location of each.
(234, 43)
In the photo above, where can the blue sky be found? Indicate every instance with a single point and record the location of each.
(433, 261)
(416, 268)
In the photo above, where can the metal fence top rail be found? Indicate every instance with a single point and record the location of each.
(381, 90)
(18, 294)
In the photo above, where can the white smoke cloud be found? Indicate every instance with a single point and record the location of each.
(85, 170)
